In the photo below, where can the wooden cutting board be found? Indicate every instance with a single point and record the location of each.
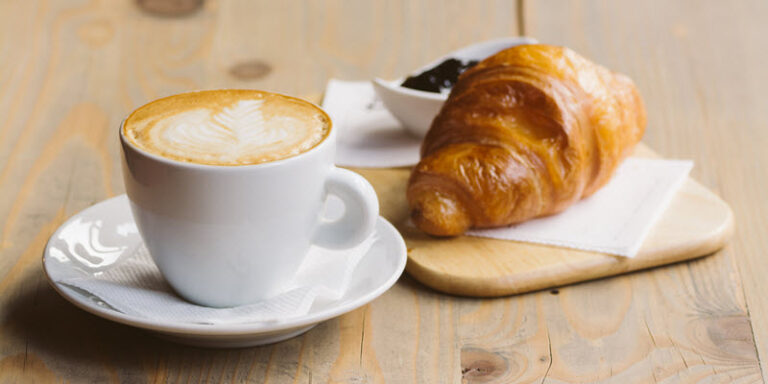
(696, 223)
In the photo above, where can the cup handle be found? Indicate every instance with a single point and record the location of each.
(361, 209)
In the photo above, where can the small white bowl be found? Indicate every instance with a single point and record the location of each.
(415, 109)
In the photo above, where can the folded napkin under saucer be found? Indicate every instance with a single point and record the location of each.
(135, 286)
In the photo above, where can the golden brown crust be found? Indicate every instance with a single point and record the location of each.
(525, 133)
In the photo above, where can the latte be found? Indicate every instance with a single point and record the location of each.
(227, 127)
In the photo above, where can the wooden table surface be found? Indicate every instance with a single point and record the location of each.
(70, 70)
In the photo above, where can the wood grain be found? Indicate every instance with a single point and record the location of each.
(705, 92)
(70, 70)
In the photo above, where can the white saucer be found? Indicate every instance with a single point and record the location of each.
(106, 223)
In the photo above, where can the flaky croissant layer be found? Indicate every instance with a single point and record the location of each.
(525, 133)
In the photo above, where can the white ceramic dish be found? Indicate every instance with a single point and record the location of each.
(415, 109)
(104, 239)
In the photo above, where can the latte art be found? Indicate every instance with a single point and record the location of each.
(227, 127)
(234, 133)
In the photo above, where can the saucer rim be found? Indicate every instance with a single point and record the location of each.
(180, 328)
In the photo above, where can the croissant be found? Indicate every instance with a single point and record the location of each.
(525, 133)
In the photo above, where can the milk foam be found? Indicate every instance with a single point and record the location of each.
(256, 129)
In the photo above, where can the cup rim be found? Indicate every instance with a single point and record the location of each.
(221, 167)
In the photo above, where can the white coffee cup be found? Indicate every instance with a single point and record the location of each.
(225, 236)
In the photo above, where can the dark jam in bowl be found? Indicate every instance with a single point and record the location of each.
(441, 77)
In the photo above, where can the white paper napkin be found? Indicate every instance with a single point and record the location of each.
(616, 219)
(368, 135)
(136, 287)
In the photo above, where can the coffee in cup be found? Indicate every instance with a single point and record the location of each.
(227, 188)
(227, 127)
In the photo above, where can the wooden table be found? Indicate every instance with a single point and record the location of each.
(70, 70)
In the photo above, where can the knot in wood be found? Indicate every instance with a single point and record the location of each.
(169, 8)
(250, 70)
(481, 366)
